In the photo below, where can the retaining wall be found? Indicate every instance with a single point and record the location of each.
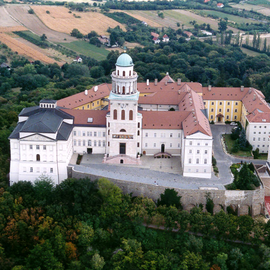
(245, 202)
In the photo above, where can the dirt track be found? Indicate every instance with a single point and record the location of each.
(32, 22)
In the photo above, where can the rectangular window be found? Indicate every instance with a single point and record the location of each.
(138, 144)
(171, 135)
(103, 143)
(205, 161)
(38, 170)
(235, 117)
(253, 139)
(91, 134)
(190, 151)
(145, 144)
(179, 135)
(88, 133)
(99, 143)
(95, 143)
(197, 161)
(89, 143)
(228, 103)
(227, 117)
(37, 147)
(198, 151)
(108, 144)
(31, 169)
(220, 103)
(155, 135)
(99, 134)
(219, 110)
(212, 110)
(79, 142)
(103, 134)
(51, 170)
(83, 133)
(74, 133)
(146, 134)
(190, 143)
(178, 145)
(212, 103)
(212, 117)
(79, 133)
(95, 134)
(228, 110)
(170, 144)
(44, 147)
(155, 144)
(139, 125)
(235, 110)
(30, 146)
(236, 103)
(189, 161)
(83, 142)
(75, 142)
(205, 151)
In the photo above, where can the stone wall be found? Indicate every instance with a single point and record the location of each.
(245, 202)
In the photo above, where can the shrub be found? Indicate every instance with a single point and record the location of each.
(31, 11)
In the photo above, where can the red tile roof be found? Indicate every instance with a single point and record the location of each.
(81, 117)
(259, 117)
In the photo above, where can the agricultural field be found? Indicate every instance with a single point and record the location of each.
(23, 49)
(5, 19)
(249, 52)
(172, 17)
(231, 18)
(87, 49)
(59, 19)
(260, 9)
(33, 23)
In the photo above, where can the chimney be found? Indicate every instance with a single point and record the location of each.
(166, 83)
(179, 92)
(155, 81)
(254, 97)
(86, 92)
(96, 88)
(242, 88)
(209, 87)
(147, 82)
(178, 81)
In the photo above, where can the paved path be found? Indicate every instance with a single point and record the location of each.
(93, 164)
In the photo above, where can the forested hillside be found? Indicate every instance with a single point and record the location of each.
(81, 224)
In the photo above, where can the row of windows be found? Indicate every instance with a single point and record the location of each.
(38, 147)
(38, 158)
(123, 115)
(220, 103)
(260, 132)
(260, 127)
(88, 106)
(197, 161)
(258, 146)
(198, 151)
(259, 139)
(155, 145)
(89, 143)
(89, 133)
(220, 110)
(198, 143)
(197, 170)
(227, 117)
(162, 135)
(37, 170)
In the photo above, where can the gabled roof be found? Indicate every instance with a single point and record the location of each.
(167, 79)
(258, 116)
(153, 34)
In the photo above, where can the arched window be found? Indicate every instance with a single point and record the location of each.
(115, 114)
(124, 73)
(130, 73)
(123, 115)
(124, 90)
(117, 72)
(130, 115)
(138, 133)
(122, 130)
(38, 157)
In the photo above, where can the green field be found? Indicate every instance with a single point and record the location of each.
(87, 49)
(264, 3)
(232, 18)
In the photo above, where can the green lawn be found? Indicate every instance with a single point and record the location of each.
(87, 49)
(249, 52)
(232, 18)
(264, 3)
(229, 143)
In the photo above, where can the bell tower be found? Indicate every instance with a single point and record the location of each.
(123, 121)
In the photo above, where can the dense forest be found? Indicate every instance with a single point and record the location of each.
(81, 224)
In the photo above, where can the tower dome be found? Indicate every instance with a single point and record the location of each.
(124, 60)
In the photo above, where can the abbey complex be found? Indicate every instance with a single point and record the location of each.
(125, 119)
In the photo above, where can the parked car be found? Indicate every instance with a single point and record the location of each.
(233, 124)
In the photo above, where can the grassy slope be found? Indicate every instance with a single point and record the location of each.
(87, 49)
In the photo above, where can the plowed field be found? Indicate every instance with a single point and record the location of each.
(59, 19)
(23, 49)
